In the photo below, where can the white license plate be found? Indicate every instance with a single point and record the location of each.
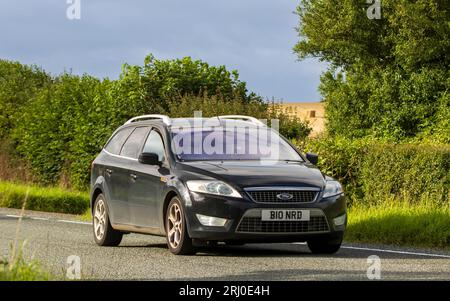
(285, 215)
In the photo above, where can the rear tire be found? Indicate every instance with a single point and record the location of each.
(104, 234)
(178, 239)
(322, 246)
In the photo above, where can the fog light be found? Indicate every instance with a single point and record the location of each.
(340, 220)
(211, 220)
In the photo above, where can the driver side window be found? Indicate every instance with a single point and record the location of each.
(154, 144)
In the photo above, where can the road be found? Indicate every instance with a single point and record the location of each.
(51, 238)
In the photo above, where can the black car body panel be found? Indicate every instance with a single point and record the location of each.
(137, 194)
(251, 173)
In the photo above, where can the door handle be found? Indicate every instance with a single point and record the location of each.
(133, 176)
(109, 171)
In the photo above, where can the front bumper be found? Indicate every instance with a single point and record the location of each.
(244, 223)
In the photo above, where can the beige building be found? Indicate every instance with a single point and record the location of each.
(313, 112)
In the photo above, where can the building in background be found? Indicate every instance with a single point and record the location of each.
(313, 112)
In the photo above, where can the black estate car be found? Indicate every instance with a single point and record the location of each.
(200, 181)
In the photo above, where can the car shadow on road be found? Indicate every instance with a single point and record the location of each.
(301, 250)
(320, 274)
(254, 250)
(250, 250)
(153, 245)
(280, 250)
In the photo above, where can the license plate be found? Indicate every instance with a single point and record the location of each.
(285, 215)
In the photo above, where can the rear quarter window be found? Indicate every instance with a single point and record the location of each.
(131, 147)
(115, 143)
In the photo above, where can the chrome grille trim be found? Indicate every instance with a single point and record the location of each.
(267, 195)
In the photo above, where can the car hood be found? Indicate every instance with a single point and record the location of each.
(254, 174)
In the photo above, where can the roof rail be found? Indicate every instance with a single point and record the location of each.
(164, 118)
(243, 117)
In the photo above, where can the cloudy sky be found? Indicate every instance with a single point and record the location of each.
(253, 36)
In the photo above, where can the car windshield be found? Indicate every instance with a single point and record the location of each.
(220, 144)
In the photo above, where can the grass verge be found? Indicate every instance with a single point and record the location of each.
(402, 225)
(48, 199)
(86, 216)
(20, 270)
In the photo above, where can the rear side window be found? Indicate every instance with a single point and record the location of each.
(115, 144)
(131, 147)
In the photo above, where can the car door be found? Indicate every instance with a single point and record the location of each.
(129, 153)
(146, 189)
(115, 170)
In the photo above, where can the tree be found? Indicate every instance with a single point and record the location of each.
(158, 82)
(64, 126)
(387, 77)
(18, 85)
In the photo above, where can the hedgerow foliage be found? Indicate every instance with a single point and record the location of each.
(63, 122)
(18, 84)
(375, 172)
(38, 198)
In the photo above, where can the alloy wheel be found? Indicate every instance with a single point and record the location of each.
(175, 225)
(99, 219)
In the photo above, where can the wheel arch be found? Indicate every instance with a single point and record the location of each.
(173, 192)
(95, 193)
(169, 196)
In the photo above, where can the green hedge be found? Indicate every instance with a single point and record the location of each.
(415, 173)
(43, 198)
(18, 85)
(376, 172)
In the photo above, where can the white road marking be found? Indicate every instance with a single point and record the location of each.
(39, 218)
(397, 252)
(48, 219)
(74, 222)
(387, 251)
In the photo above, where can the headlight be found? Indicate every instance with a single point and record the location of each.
(213, 187)
(332, 188)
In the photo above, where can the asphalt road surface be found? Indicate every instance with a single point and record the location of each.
(51, 238)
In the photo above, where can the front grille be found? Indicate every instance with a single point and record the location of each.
(256, 225)
(270, 196)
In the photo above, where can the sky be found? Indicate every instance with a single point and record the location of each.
(255, 37)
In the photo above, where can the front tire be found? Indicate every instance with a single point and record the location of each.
(178, 239)
(104, 234)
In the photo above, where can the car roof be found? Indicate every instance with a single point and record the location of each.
(177, 123)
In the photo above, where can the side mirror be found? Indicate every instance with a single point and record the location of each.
(149, 159)
(313, 158)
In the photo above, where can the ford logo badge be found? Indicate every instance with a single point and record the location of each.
(284, 196)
